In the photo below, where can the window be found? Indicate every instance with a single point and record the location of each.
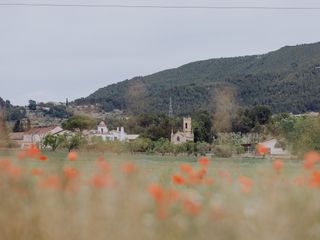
(186, 125)
(178, 139)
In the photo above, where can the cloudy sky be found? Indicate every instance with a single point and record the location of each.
(49, 54)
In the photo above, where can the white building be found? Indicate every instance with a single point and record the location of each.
(274, 147)
(36, 135)
(118, 134)
(185, 135)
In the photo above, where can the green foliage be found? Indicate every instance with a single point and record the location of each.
(73, 141)
(140, 145)
(18, 126)
(54, 141)
(32, 105)
(302, 134)
(251, 119)
(58, 112)
(79, 122)
(285, 80)
(202, 127)
(223, 151)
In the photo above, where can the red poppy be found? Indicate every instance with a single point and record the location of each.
(191, 206)
(104, 166)
(70, 172)
(21, 155)
(72, 156)
(315, 179)
(14, 171)
(246, 184)
(43, 157)
(178, 179)
(278, 165)
(310, 159)
(128, 167)
(157, 192)
(101, 181)
(33, 151)
(185, 167)
(262, 150)
(204, 161)
(36, 171)
(52, 181)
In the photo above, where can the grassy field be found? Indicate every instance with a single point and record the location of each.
(89, 196)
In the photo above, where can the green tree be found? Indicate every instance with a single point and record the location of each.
(18, 126)
(79, 122)
(202, 127)
(32, 105)
(54, 141)
(74, 141)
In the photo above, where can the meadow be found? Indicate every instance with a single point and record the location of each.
(88, 195)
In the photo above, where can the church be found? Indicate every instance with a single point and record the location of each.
(185, 135)
(113, 135)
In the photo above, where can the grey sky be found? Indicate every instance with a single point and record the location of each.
(53, 53)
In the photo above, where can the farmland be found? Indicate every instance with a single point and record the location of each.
(118, 196)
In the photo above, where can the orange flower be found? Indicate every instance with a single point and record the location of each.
(36, 172)
(278, 165)
(128, 167)
(191, 206)
(209, 181)
(33, 151)
(315, 179)
(101, 181)
(246, 184)
(72, 156)
(52, 181)
(157, 192)
(310, 159)
(104, 166)
(185, 167)
(70, 172)
(43, 157)
(262, 150)
(21, 155)
(15, 171)
(5, 164)
(178, 179)
(225, 174)
(204, 161)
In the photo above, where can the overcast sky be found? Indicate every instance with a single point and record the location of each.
(49, 54)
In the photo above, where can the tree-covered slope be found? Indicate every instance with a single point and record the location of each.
(287, 80)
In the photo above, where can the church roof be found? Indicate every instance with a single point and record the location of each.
(102, 124)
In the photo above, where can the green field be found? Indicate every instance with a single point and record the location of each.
(234, 198)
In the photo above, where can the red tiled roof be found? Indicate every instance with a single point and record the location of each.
(40, 130)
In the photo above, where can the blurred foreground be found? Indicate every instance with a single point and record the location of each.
(86, 196)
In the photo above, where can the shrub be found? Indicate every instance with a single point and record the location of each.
(223, 151)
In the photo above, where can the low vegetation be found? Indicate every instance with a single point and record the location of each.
(80, 195)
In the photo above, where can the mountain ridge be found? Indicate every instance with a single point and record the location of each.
(269, 79)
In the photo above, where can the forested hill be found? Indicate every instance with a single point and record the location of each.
(287, 80)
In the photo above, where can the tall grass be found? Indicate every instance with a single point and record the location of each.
(97, 198)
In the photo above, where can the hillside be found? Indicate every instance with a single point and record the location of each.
(287, 80)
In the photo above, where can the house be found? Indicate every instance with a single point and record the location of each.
(36, 135)
(274, 147)
(118, 134)
(185, 135)
(17, 137)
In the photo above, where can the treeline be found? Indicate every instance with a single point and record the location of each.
(299, 134)
(286, 80)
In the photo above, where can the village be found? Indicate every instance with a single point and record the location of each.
(51, 129)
